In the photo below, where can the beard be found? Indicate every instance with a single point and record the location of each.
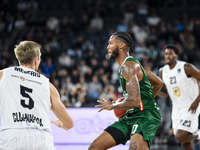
(114, 54)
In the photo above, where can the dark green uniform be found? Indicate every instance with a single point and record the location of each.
(144, 119)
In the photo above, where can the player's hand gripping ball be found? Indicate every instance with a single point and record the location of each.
(119, 113)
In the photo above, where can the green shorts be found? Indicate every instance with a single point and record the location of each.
(144, 122)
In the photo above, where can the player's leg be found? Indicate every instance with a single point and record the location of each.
(137, 142)
(184, 136)
(185, 126)
(187, 146)
(103, 142)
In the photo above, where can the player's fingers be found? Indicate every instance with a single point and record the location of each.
(101, 109)
(105, 100)
(100, 101)
(98, 105)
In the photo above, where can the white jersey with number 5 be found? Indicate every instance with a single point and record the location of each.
(182, 90)
(24, 100)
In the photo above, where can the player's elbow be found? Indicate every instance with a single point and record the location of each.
(136, 103)
(69, 124)
(159, 84)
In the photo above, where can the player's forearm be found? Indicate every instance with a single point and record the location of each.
(162, 94)
(69, 126)
(128, 103)
(197, 99)
(156, 90)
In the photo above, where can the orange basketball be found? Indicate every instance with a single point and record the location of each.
(119, 113)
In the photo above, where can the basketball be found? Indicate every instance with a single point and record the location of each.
(119, 113)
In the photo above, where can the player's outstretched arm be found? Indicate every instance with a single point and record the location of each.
(155, 81)
(163, 92)
(65, 121)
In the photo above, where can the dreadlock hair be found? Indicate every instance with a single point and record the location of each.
(174, 47)
(124, 37)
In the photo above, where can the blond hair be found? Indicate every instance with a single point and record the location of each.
(26, 51)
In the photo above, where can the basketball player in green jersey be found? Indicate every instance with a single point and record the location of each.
(142, 117)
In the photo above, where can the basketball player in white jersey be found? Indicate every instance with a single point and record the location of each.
(180, 83)
(26, 98)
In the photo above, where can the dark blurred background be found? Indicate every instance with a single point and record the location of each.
(74, 35)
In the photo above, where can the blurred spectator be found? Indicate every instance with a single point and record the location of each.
(141, 35)
(10, 24)
(128, 8)
(152, 37)
(48, 68)
(75, 76)
(64, 59)
(20, 22)
(134, 27)
(115, 73)
(96, 23)
(22, 5)
(65, 26)
(152, 53)
(68, 84)
(52, 23)
(108, 93)
(64, 95)
(122, 26)
(94, 64)
(62, 75)
(83, 82)
(94, 90)
(82, 67)
(179, 25)
(142, 12)
(77, 96)
(83, 22)
(53, 44)
(88, 75)
(153, 20)
(140, 50)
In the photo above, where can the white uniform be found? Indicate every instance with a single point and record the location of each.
(25, 110)
(183, 91)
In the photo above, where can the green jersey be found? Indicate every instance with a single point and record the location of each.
(146, 92)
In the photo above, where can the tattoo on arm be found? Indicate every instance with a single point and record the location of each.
(133, 146)
(132, 87)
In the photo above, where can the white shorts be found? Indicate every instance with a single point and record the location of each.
(185, 120)
(26, 139)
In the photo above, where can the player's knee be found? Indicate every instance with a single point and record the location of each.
(92, 147)
(180, 138)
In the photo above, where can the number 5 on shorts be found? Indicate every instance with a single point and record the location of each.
(134, 128)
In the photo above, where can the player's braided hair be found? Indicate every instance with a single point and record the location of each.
(124, 37)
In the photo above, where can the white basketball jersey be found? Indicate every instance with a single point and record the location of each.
(24, 99)
(182, 90)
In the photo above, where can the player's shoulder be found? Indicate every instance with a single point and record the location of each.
(181, 62)
(130, 64)
(44, 77)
